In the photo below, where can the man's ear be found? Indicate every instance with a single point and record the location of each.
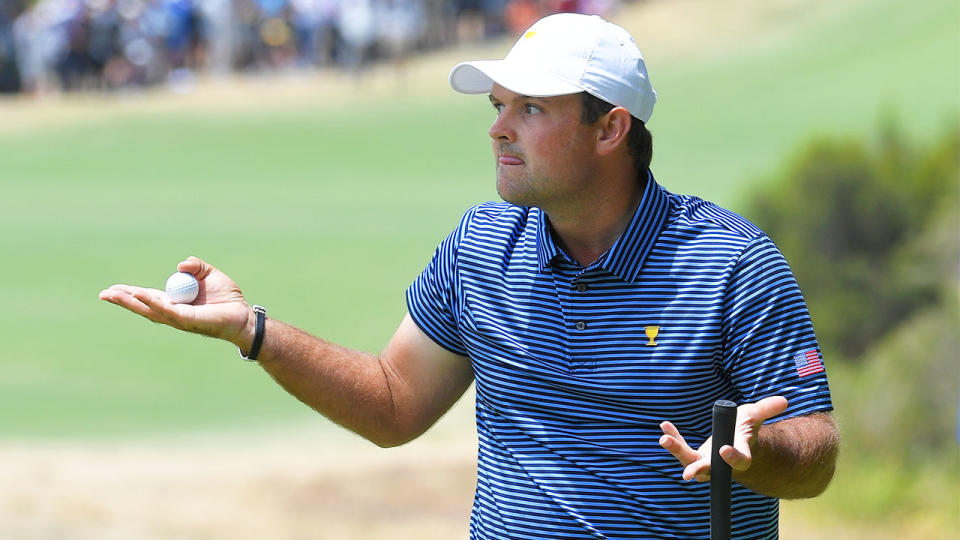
(612, 130)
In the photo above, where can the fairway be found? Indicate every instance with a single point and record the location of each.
(315, 214)
(325, 209)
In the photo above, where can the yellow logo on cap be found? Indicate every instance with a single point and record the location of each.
(528, 35)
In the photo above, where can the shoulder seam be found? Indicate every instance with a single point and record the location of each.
(700, 210)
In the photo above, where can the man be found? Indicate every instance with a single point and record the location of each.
(599, 315)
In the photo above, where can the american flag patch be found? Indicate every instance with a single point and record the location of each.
(808, 362)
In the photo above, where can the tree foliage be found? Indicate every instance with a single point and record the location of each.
(855, 220)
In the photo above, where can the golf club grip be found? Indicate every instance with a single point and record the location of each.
(724, 422)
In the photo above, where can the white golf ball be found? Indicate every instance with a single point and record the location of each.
(182, 288)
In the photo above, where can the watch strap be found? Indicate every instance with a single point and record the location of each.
(261, 314)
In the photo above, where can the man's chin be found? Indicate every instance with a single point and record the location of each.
(512, 198)
(509, 193)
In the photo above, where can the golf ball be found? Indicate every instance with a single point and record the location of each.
(182, 288)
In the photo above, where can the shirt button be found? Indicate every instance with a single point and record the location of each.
(582, 287)
(581, 325)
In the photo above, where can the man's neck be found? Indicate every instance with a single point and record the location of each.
(587, 231)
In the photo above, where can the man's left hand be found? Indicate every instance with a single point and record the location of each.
(750, 418)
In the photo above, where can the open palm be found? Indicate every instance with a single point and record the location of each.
(219, 310)
(750, 419)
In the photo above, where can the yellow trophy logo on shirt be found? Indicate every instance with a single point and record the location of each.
(652, 332)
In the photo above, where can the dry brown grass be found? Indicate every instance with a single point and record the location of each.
(300, 482)
(295, 483)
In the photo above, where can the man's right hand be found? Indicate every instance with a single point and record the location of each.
(219, 310)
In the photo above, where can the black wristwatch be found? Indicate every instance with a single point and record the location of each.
(261, 313)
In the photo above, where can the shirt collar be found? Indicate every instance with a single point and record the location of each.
(546, 249)
(626, 257)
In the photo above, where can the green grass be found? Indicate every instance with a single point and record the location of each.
(326, 214)
(320, 215)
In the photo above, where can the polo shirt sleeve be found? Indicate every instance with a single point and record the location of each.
(769, 344)
(433, 298)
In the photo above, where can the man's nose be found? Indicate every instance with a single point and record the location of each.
(501, 129)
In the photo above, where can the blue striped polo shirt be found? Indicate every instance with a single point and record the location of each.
(576, 367)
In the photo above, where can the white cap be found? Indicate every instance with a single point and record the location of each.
(564, 54)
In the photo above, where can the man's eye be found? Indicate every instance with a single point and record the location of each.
(498, 107)
(530, 108)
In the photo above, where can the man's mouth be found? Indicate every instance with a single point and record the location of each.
(508, 154)
(509, 160)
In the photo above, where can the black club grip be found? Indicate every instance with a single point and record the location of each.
(724, 422)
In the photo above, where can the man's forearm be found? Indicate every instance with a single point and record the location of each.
(389, 398)
(349, 387)
(793, 458)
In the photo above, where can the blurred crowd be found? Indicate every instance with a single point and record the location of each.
(68, 45)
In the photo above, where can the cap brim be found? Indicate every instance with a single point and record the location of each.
(478, 77)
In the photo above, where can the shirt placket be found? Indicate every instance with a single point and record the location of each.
(574, 292)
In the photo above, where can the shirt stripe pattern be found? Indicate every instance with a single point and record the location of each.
(570, 393)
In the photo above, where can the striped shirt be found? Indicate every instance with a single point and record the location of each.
(576, 367)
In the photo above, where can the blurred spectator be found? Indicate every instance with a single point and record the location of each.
(313, 21)
(470, 20)
(9, 70)
(357, 29)
(73, 45)
(186, 35)
(276, 34)
(520, 15)
(400, 26)
(439, 24)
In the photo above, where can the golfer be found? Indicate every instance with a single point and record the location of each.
(599, 315)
